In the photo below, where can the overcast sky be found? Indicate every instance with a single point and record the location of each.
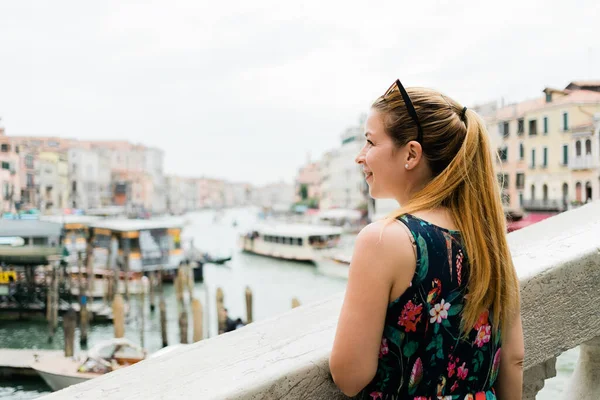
(243, 90)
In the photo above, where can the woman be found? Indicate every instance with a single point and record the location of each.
(432, 305)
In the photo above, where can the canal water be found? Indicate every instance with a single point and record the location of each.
(274, 284)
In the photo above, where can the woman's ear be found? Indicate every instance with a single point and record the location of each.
(414, 152)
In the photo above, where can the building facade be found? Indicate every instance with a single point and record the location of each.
(546, 152)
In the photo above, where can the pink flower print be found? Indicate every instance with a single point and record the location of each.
(462, 372)
(376, 395)
(384, 349)
(454, 387)
(439, 312)
(410, 316)
(483, 335)
(451, 369)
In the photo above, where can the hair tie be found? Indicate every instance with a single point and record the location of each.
(462, 115)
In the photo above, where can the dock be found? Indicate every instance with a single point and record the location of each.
(16, 363)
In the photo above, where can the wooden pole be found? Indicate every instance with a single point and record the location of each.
(84, 318)
(152, 288)
(163, 311)
(55, 285)
(197, 315)
(69, 323)
(221, 311)
(144, 283)
(83, 314)
(118, 308)
(248, 305)
(190, 279)
(295, 303)
(180, 284)
(50, 301)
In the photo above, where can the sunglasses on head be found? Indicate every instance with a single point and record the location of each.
(409, 107)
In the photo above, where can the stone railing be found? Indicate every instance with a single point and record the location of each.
(286, 357)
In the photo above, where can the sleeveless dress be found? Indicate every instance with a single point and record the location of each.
(422, 355)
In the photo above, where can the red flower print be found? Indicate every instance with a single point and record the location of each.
(384, 349)
(410, 316)
(454, 387)
(462, 372)
(451, 369)
(483, 320)
(376, 395)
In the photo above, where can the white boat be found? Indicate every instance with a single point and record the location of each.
(291, 241)
(336, 265)
(60, 372)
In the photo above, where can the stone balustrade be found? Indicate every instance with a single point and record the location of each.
(286, 357)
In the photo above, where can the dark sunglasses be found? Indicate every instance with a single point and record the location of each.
(409, 107)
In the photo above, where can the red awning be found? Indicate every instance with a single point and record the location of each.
(528, 219)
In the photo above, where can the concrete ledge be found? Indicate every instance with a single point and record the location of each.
(286, 357)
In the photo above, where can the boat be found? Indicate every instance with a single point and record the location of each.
(75, 232)
(30, 242)
(144, 245)
(300, 242)
(60, 372)
(336, 265)
(99, 282)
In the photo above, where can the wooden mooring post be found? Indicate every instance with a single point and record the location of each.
(222, 318)
(69, 324)
(180, 285)
(198, 320)
(248, 294)
(118, 309)
(163, 310)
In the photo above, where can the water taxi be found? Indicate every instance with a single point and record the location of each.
(290, 241)
(145, 245)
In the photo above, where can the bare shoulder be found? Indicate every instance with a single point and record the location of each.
(388, 242)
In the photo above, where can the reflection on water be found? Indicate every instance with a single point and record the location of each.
(274, 283)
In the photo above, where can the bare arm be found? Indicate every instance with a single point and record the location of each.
(375, 264)
(510, 376)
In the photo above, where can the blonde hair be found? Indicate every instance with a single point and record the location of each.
(457, 150)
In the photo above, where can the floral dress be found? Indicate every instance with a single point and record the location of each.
(422, 354)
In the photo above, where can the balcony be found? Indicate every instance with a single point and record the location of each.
(545, 205)
(583, 163)
(286, 357)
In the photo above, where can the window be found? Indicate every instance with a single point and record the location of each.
(520, 180)
(548, 97)
(521, 151)
(545, 125)
(545, 157)
(588, 147)
(503, 154)
(565, 154)
(5, 148)
(520, 127)
(29, 180)
(565, 121)
(545, 192)
(532, 127)
(532, 158)
(29, 161)
(503, 180)
(5, 165)
(504, 129)
(578, 148)
(521, 199)
(532, 192)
